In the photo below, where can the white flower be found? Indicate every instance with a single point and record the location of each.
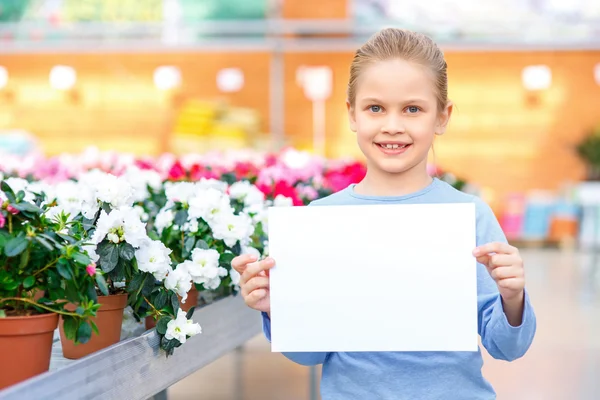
(140, 180)
(266, 247)
(232, 228)
(144, 217)
(209, 204)
(179, 281)
(116, 191)
(216, 184)
(120, 225)
(282, 201)
(235, 277)
(181, 327)
(204, 268)
(164, 219)
(246, 192)
(180, 192)
(191, 226)
(251, 250)
(153, 257)
(91, 251)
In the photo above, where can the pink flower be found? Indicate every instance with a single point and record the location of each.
(91, 269)
(2, 220)
(12, 210)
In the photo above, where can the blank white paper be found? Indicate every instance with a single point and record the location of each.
(397, 277)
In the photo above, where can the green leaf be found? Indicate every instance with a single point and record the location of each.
(44, 243)
(64, 269)
(24, 259)
(161, 300)
(188, 246)
(127, 251)
(20, 195)
(66, 238)
(149, 284)
(53, 240)
(79, 310)
(27, 207)
(10, 195)
(161, 326)
(29, 282)
(174, 303)
(94, 327)
(72, 293)
(237, 249)
(109, 256)
(201, 244)
(16, 246)
(70, 326)
(226, 258)
(81, 258)
(181, 217)
(84, 333)
(101, 282)
(2, 314)
(190, 312)
(136, 283)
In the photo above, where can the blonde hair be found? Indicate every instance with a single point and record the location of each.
(392, 43)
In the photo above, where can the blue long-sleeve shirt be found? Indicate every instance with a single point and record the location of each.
(425, 375)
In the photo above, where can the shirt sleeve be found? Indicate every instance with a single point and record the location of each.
(502, 340)
(302, 358)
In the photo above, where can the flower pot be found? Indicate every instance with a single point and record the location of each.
(192, 300)
(25, 346)
(109, 319)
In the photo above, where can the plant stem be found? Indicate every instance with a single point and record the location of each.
(10, 223)
(151, 306)
(4, 300)
(46, 267)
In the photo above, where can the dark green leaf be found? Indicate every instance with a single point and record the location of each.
(10, 195)
(174, 303)
(44, 243)
(64, 269)
(91, 292)
(136, 283)
(84, 333)
(29, 282)
(188, 246)
(70, 326)
(161, 300)
(201, 244)
(20, 195)
(127, 251)
(79, 310)
(81, 258)
(161, 326)
(226, 258)
(237, 249)
(149, 283)
(53, 240)
(27, 207)
(109, 256)
(24, 259)
(106, 207)
(10, 285)
(72, 293)
(16, 246)
(101, 282)
(190, 312)
(181, 217)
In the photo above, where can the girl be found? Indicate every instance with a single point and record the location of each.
(397, 103)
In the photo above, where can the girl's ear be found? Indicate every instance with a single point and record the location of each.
(444, 118)
(351, 116)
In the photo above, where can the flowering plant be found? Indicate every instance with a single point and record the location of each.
(119, 244)
(206, 224)
(43, 262)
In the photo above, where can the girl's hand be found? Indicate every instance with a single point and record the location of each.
(254, 281)
(505, 266)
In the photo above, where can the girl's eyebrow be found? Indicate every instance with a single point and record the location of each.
(376, 100)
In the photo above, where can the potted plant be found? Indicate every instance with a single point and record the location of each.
(43, 267)
(589, 150)
(136, 267)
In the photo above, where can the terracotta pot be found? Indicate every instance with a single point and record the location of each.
(25, 346)
(109, 319)
(192, 300)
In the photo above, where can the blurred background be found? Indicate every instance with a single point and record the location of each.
(149, 77)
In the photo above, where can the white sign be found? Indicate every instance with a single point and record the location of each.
(373, 278)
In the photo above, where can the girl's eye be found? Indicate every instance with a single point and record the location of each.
(412, 109)
(375, 109)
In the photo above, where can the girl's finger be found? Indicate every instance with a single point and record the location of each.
(511, 283)
(240, 263)
(257, 283)
(255, 269)
(502, 260)
(495, 247)
(255, 297)
(501, 273)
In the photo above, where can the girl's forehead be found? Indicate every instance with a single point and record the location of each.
(396, 79)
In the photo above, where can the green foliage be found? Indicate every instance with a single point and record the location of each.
(43, 256)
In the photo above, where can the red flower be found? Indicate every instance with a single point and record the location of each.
(198, 172)
(341, 178)
(2, 220)
(177, 172)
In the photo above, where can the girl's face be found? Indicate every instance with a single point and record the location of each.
(395, 115)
